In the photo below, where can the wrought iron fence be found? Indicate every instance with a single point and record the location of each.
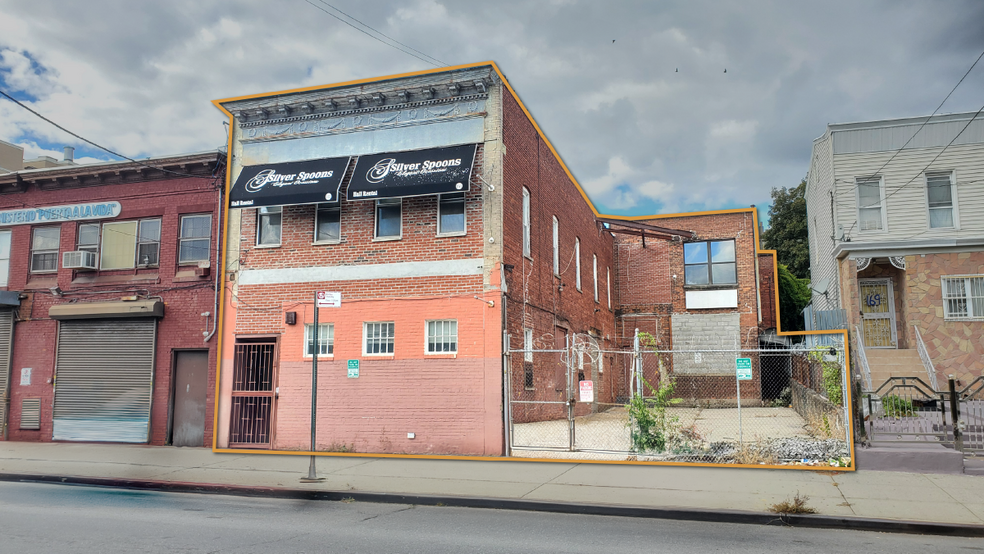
(742, 406)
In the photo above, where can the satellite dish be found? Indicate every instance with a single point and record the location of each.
(821, 287)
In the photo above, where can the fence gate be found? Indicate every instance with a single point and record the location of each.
(742, 406)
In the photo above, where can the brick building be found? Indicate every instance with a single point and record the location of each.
(108, 299)
(445, 222)
(697, 282)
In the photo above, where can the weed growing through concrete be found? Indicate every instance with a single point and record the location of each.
(795, 506)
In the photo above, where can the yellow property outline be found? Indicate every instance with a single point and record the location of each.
(543, 137)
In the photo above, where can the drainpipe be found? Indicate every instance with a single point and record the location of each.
(219, 271)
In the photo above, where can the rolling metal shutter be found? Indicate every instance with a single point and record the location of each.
(104, 376)
(6, 342)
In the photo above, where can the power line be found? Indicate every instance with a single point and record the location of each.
(924, 123)
(406, 49)
(117, 154)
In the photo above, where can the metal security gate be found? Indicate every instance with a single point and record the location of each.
(253, 392)
(877, 313)
(104, 374)
(6, 343)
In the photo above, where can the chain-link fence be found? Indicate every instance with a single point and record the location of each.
(744, 406)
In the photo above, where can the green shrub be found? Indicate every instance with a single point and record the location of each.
(896, 406)
(651, 426)
(831, 373)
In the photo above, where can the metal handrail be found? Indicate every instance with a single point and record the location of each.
(859, 348)
(924, 356)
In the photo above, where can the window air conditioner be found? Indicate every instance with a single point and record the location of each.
(79, 259)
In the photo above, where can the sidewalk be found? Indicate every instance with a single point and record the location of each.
(888, 501)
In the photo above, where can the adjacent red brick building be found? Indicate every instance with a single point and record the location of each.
(109, 300)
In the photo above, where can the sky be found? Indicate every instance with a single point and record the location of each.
(656, 107)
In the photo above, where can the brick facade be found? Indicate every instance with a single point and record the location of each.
(142, 193)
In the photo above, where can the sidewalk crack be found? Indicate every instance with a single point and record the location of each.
(840, 492)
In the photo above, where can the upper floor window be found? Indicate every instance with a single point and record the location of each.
(710, 263)
(577, 263)
(526, 222)
(379, 337)
(268, 224)
(451, 214)
(326, 339)
(196, 231)
(4, 257)
(442, 336)
(594, 272)
(44, 249)
(963, 297)
(328, 223)
(871, 216)
(389, 215)
(608, 286)
(556, 246)
(88, 237)
(129, 244)
(939, 190)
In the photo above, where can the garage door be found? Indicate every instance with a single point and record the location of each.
(6, 340)
(104, 374)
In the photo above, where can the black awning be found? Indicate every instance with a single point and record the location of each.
(415, 173)
(283, 184)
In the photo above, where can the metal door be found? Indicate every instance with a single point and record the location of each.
(6, 343)
(104, 374)
(877, 313)
(188, 403)
(253, 394)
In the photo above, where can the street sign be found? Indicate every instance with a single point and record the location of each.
(587, 391)
(743, 369)
(353, 369)
(328, 299)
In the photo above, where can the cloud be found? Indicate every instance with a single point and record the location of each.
(649, 122)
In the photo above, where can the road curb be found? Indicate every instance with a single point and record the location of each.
(816, 521)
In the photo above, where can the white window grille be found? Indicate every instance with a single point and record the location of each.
(577, 263)
(556, 246)
(528, 345)
(963, 297)
(379, 337)
(594, 272)
(326, 339)
(526, 222)
(608, 286)
(442, 336)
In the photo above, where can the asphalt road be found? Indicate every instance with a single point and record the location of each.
(49, 518)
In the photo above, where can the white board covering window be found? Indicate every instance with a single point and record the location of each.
(870, 213)
(526, 222)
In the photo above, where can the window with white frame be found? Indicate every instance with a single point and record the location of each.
(326, 339)
(196, 231)
(379, 337)
(44, 249)
(451, 214)
(963, 297)
(327, 223)
(442, 336)
(268, 225)
(594, 272)
(556, 246)
(608, 286)
(389, 216)
(577, 263)
(870, 213)
(526, 222)
(939, 192)
(4, 257)
(710, 263)
(124, 244)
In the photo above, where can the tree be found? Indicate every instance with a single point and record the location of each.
(787, 233)
(794, 295)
